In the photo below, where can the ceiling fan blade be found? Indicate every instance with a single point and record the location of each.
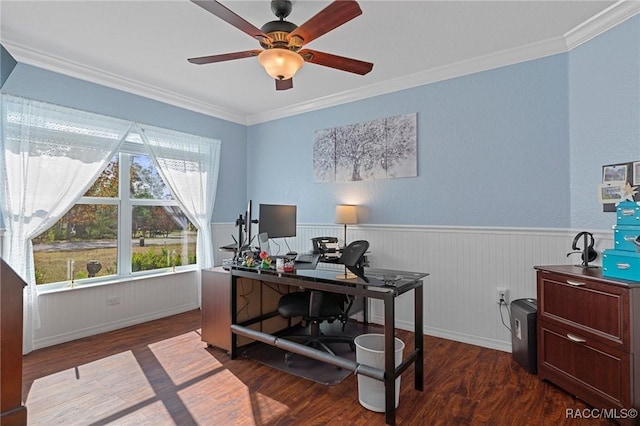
(231, 17)
(338, 62)
(224, 57)
(284, 84)
(329, 18)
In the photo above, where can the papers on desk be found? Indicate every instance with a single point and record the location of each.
(385, 281)
(388, 279)
(332, 256)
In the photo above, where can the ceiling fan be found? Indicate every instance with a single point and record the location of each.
(282, 41)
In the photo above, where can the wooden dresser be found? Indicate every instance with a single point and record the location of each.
(589, 336)
(12, 411)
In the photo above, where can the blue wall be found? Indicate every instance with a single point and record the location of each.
(36, 83)
(604, 93)
(519, 146)
(492, 151)
(7, 64)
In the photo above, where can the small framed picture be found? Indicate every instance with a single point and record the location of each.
(611, 192)
(636, 173)
(614, 173)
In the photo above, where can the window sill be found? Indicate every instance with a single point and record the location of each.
(62, 287)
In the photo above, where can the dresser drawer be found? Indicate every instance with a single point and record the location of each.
(594, 372)
(592, 310)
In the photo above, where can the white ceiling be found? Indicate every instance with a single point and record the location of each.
(142, 46)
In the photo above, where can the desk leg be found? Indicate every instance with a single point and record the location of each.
(234, 316)
(365, 313)
(389, 360)
(419, 337)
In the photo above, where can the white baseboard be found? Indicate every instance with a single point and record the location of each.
(450, 335)
(114, 325)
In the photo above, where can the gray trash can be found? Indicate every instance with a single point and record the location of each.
(523, 333)
(370, 351)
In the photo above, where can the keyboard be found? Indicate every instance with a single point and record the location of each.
(305, 258)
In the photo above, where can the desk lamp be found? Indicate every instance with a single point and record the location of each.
(346, 214)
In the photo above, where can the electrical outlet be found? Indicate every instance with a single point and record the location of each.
(113, 301)
(502, 295)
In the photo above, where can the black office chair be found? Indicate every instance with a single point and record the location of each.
(316, 307)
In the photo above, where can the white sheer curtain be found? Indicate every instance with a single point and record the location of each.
(189, 165)
(50, 157)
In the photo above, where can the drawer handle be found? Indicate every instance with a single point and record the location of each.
(575, 283)
(575, 338)
(623, 266)
(628, 212)
(630, 238)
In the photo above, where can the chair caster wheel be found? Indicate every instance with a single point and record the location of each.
(287, 360)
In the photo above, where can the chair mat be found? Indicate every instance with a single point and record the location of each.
(309, 368)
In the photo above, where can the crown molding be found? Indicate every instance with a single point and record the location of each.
(607, 19)
(459, 69)
(602, 22)
(37, 58)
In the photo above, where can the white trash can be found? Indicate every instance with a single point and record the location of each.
(370, 351)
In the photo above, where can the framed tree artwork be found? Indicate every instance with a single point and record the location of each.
(380, 149)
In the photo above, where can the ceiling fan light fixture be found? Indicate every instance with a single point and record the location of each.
(279, 63)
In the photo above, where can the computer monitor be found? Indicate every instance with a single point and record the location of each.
(277, 220)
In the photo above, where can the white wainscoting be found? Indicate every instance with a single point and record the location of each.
(84, 311)
(465, 266)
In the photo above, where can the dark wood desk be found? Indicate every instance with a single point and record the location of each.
(325, 280)
(252, 300)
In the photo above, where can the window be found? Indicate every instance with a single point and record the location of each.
(51, 160)
(126, 223)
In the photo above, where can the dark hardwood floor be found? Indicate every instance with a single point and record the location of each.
(161, 373)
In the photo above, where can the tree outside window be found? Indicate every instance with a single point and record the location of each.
(88, 243)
